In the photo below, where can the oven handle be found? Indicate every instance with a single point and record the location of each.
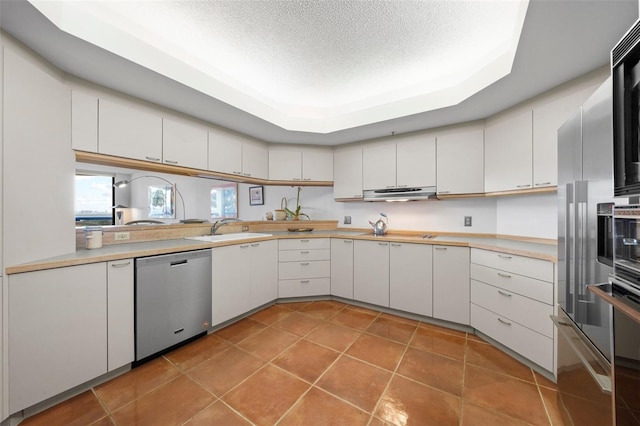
(574, 340)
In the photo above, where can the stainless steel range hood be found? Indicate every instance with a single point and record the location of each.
(400, 194)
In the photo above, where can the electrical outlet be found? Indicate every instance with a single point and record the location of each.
(467, 221)
(245, 228)
(121, 236)
(347, 220)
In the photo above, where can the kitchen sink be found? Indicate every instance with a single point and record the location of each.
(228, 237)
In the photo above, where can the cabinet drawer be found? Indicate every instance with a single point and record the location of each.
(529, 287)
(304, 254)
(533, 346)
(307, 269)
(527, 312)
(304, 243)
(304, 287)
(527, 266)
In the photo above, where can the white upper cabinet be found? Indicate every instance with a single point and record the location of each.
(84, 121)
(184, 144)
(347, 172)
(416, 162)
(129, 130)
(508, 152)
(461, 162)
(300, 164)
(233, 154)
(409, 161)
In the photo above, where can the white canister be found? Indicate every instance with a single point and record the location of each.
(93, 237)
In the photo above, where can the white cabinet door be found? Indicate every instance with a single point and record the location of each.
(130, 131)
(379, 166)
(57, 331)
(371, 272)
(416, 162)
(508, 153)
(347, 172)
(231, 282)
(255, 160)
(225, 152)
(317, 164)
(461, 162)
(184, 144)
(451, 291)
(84, 121)
(342, 268)
(285, 164)
(410, 282)
(120, 308)
(263, 264)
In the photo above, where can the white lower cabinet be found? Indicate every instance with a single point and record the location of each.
(342, 268)
(371, 272)
(410, 278)
(243, 277)
(57, 331)
(511, 302)
(304, 267)
(120, 314)
(451, 284)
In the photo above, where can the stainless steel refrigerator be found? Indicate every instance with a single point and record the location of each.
(585, 186)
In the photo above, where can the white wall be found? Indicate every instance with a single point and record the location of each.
(528, 216)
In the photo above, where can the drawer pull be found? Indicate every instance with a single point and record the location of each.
(522, 186)
(304, 281)
(348, 241)
(443, 192)
(304, 251)
(152, 158)
(396, 245)
(440, 248)
(304, 263)
(504, 294)
(255, 244)
(383, 244)
(543, 183)
(304, 241)
(244, 246)
(504, 322)
(500, 274)
(237, 173)
(120, 265)
(170, 161)
(504, 256)
(247, 174)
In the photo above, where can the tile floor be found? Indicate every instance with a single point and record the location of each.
(321, 363)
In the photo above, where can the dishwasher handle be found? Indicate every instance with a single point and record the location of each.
(179, 263)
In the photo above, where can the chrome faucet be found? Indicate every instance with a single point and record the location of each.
(220, 223)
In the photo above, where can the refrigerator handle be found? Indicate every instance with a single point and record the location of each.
(569, 246)
(580, 290)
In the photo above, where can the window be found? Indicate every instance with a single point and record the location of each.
(94, 200)
(224, 201)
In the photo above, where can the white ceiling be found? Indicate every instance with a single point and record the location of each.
(318, 67)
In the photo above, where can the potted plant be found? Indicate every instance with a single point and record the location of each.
(295, 214)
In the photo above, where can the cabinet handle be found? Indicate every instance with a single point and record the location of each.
(255, 244)
(396, 245)
(402, 186)
(504, 294)
(383, 244)
(390, 186)
(306, 179)
(543, 183)
(295, 178)
(171, 161)
(443, 192)
(304, 263)
(523, 186)
(500, 274)
(348, 241)
(244, 246)
(247, 174)
(504, 322)
(440, 248)
(504, 256)
(304, 241)
(120, 265)
(152, 158)
(304, 281)
(237, 173)
(304, 251)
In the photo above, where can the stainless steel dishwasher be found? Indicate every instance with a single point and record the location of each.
(172, 299)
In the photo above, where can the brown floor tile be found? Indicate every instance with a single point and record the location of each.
(240, 330)
(433, 340)
(320, 408)
(171, 404)
(550, 401)
(271, 314)
(408, 402)
(473, 415)
(217, 413)
(266, 395)
(433, 370)
(323, 310)
(392, 329)
(377, 422)
(441, 329)
(354, 318)
(378, 351)
(306, 360)
(356, 382)
(543, 381)
(487, 356)
(223, 372)
(298, 324)
(105, 421)
(508, 395)
(82, 409)
(136, 383)
(196, 352)
(268, 343)
(334, 336)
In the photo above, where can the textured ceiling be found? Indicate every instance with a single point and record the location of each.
(312, 65)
